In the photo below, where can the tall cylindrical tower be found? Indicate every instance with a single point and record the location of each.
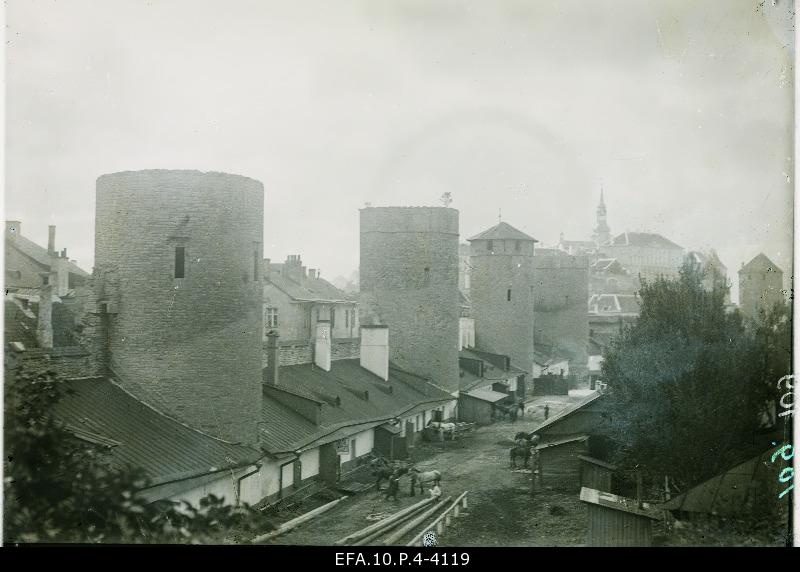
(409, 278)
(501, 292)
(178, 259)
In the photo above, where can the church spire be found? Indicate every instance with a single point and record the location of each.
(602, 234)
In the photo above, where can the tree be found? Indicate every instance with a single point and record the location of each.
(60, 489)
(686, 383)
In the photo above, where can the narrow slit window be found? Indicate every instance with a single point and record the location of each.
(508, 295)
(180, 261)
(255, 264)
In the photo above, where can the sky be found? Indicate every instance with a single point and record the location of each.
(682, 110)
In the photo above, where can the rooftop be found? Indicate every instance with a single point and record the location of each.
(140, 436)
(643, 239)
(502, 231)
(310, 290)
(760, 264)
(39, 254)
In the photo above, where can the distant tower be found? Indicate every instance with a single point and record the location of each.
(409, 282)
(601, 234)
(760, 285)
(501, 292)
(178, 284)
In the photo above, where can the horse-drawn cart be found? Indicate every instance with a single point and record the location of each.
(436, 431)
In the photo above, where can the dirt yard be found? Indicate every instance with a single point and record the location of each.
(501, 511)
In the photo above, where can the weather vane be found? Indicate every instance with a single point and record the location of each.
(446, 199)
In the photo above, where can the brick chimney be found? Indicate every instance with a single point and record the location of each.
(44, 321)
(273, 358)
(13, 229)
(322, 345)
(312, 273)
(59, 273)
(375, 350)
(293, 268)
(51, 240)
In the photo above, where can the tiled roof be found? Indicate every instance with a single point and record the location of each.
(502, 231)
(39, 254)
(760, 264)
(284, 429)
(164, 448)
(644, 239)
(311, 290)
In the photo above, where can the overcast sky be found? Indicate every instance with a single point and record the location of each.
(681, 109)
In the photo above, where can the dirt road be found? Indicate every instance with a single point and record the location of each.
(501, 511)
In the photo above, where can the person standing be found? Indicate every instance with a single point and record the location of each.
(546, 411)
(394, 486)
(436, 492)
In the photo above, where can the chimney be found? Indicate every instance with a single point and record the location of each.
(266, 267)
(59, 274)
(273, 358)
(312, 273)
(51, 240)
(322, 345)
(13, 229)
(293, 268)
(375, 350)
(44, 321)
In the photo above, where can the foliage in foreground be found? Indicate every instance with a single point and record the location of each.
(60, 489)
(690, 384)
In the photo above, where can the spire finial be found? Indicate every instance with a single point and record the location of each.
(601, 194)
(499, 216)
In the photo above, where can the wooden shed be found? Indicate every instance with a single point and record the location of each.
(477, 405)
(617, 521)
(560, 463)
(595, 474)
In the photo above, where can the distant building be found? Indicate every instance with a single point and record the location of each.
(464, 268)
(760, 285)
(601, 234)
(608, 276)
(28, 265)
(609, 314)
(715, 273)
(646, 254)
(502, 292)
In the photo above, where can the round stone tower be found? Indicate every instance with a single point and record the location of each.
(501, 292)
(178, 281)
(409, 282)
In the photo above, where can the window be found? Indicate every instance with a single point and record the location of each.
(333, 318)
(508, 295)
(347, 318)
(271, 317)
(427, 278)
(180, 258)
(490, 245)
(353, 453)
(517, 245)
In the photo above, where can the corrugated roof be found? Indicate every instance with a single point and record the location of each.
(39, 254)
(760, 264)
(502, 231)
(284, 429)
(164, 448)
(643, 239)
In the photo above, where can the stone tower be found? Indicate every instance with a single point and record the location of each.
(601, 234)
(409, 282)
(501, 291)
(177, 284)
(760, 285)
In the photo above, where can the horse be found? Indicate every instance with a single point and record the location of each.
(517, 451)
(383, 474)
(420, 478)
(444, 428)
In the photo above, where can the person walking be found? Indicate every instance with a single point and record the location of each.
(546, 411)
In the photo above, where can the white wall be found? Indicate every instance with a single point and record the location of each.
(365, 442)
(310, 463)
(225, 486)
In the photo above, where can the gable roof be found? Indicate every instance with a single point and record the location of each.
(643, 239)
(164, 448)
(311, 289)
(502, 231)
(760, 264)
(39, 254)
(284, 429)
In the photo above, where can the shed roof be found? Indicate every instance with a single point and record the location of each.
(566, 412)
(616, 502)
(486, 394)
(164, 448)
